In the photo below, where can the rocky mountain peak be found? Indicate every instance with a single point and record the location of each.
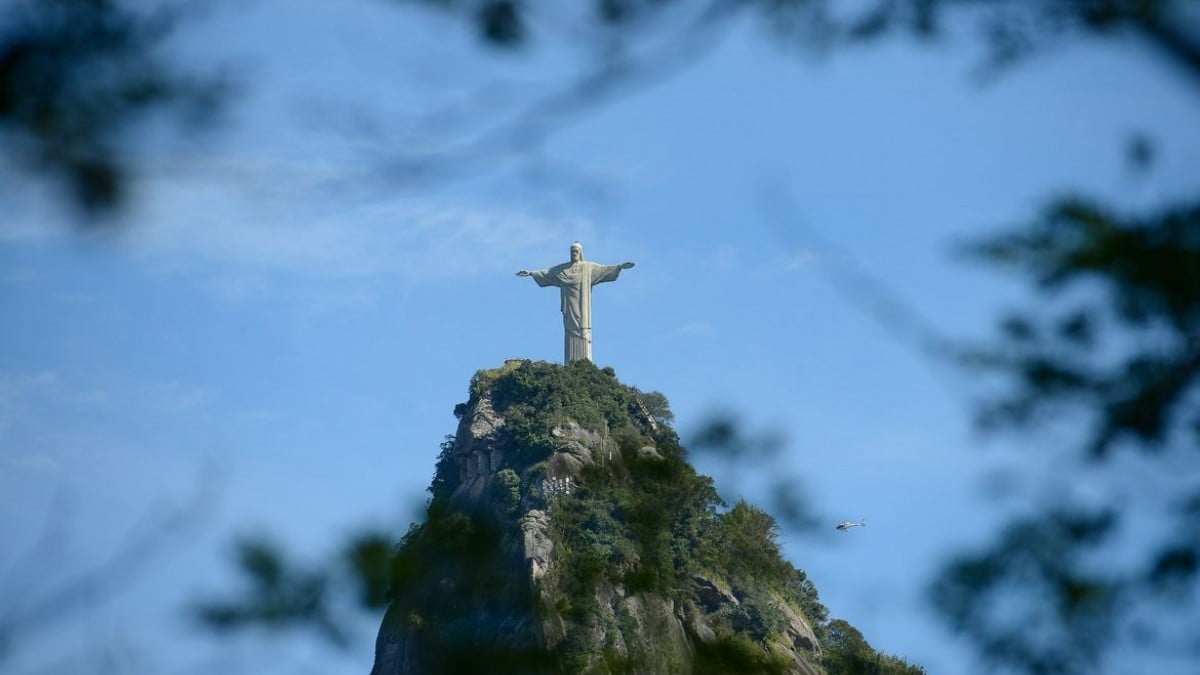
(567, 533)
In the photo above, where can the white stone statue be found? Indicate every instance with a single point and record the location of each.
(575, 280)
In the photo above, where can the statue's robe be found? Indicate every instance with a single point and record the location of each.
(575, 281)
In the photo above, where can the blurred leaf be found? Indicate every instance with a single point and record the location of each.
(501, 23)
(370, 557)
(1018, 328)
(722, 436)
(277, 595)
(76, 76)
(1127, 366)
(1140, 152)
(1132, 377)
(1025, 602)
(1175, 566)
(262, 561)
(1078, 328)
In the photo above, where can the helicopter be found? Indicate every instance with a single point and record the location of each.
(847, 525)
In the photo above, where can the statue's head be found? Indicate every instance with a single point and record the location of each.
(576, 252)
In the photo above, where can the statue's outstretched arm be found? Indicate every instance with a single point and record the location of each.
(542, 277)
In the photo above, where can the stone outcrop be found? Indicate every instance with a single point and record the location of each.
(538, 547)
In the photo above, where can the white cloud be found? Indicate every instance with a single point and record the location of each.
(60, 424)
(197, 226)
(259, 416)
(18, 388)
(696, 329)
(171, 397)
(45, 400)
(236, 224)
(801, 259)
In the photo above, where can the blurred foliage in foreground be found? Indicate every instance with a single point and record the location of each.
(1110, 347)
(80, 79)
(82, 82)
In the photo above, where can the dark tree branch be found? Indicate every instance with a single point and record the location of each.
(1178, 44)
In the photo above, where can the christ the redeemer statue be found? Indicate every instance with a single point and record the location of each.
(575, 280)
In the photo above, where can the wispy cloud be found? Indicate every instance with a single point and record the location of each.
(61, 424)
(320, 238)
(259, 415)
(18, 390)
(171, 397)
(696, 329)
(250, 227)
(801, 259)
(33, 399)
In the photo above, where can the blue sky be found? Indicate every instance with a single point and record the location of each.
(279, 313)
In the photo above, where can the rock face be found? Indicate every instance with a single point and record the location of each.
(490, 583)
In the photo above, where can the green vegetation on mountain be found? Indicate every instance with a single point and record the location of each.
(639, 523)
